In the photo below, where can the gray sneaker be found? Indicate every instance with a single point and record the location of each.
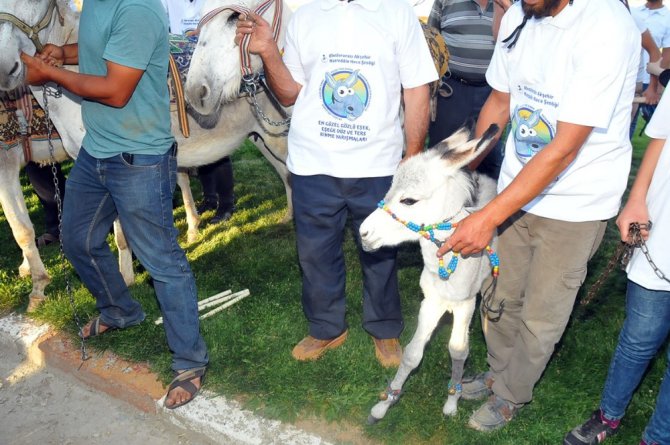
(493, 415)
(477, 387)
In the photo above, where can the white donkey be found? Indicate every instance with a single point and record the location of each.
(430, 193)
(25, 24)
(216, 72)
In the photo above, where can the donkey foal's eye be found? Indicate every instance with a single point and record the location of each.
(408, 201)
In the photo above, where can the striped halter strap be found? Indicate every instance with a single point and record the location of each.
(245, 60)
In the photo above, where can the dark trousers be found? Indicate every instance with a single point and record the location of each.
(321, 206)
(459, 109)
(42, 180)
(217, 183)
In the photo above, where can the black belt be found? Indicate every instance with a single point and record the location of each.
(472, 83)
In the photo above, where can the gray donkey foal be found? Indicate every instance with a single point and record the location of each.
(431, 188)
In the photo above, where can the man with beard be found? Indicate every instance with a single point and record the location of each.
(564, 72)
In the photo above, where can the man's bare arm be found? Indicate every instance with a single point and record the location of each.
(417, 116)
(279, 78)
(113, 89)
(494, 111)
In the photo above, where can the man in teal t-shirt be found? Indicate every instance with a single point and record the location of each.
(127, 169)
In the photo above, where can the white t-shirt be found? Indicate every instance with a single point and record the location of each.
(570, 68)
(352, 59)
(639, 22)
(295, 4)
(183, 15)
(657, 21)
(658, 203)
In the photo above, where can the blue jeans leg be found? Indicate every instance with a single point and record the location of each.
(644, 331)
(658, 428)
(141, 193)
(88, 214)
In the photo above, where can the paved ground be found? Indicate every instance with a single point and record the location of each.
(43, 405)
(48, 396)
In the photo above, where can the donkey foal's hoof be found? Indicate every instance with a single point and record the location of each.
(450, 407)
(372, 420)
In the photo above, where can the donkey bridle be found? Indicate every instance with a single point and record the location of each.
(32, 32)
(245, 59)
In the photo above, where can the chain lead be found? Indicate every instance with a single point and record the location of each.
(638, 241)
(56, 93)
(250, 85)
(622, 255)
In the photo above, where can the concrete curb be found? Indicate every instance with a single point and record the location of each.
(220, 419)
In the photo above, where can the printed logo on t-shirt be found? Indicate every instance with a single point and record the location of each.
(345, 93)
(190, 27)
(531, 132)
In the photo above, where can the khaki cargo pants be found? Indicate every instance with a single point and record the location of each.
(542, 265)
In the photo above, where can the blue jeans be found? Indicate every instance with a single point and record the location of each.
(321, 206)
(644, 331)
(140, 194)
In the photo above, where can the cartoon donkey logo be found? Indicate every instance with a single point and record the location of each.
(526, 138)
(346, 102)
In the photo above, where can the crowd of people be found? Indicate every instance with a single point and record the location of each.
(553, 76)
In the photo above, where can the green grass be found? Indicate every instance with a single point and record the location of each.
(250, 343)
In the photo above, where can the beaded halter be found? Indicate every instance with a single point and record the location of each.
(428, 232)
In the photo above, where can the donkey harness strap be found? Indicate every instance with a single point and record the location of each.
(245, 59)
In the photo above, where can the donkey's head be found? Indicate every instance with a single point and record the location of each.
(428, 188)
(58, 22)
(13, 40)
(215, 74)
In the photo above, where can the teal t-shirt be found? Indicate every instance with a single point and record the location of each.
(132, 33)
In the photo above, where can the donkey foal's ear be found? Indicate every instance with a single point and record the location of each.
(488, 135)
(458, 149)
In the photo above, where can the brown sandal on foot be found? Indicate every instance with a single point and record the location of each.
(96, 327)
(182, 380)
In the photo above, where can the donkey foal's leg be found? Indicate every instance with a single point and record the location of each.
(458, 350)
(429, 315)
